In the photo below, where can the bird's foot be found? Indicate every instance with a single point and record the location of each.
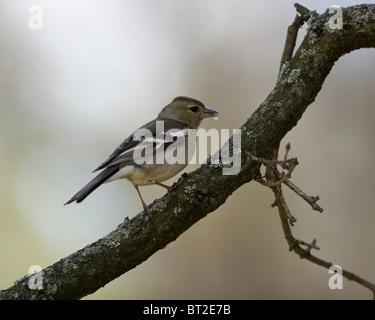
(169, 188)
(147, 209)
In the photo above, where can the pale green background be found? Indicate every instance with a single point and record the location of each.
(70, 93)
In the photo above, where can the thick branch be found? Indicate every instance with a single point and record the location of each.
(204, 190)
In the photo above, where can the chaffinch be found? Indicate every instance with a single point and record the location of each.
(138, 157)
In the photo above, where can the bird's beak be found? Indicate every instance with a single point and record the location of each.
(209, 113)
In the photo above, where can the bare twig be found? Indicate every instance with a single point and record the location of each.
(309, 246)
(285, 164)
(288, 164)
(287, 149)
(295, 245)
(291, 38)
(284, 178)
(304, 12)
(272, 173)
(288, 214)
(312, 201)
(286, 217)
(292, 33)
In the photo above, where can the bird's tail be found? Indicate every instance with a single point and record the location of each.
(93, 184)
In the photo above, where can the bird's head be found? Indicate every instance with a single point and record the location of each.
(188, 111)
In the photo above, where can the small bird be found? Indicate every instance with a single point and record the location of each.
(125, 162)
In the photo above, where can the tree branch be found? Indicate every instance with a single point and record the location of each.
(204, 190)
(291, 35)
(295, 245)
(287, 219)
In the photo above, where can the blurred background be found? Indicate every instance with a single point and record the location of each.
(97, 70)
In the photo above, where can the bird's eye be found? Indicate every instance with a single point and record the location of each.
(194, 108)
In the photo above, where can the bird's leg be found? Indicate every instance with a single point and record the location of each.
(147, 209)
(169, 188)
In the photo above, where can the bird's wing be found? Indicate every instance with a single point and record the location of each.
(124, 148)
(143, 149)
(149, 150)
